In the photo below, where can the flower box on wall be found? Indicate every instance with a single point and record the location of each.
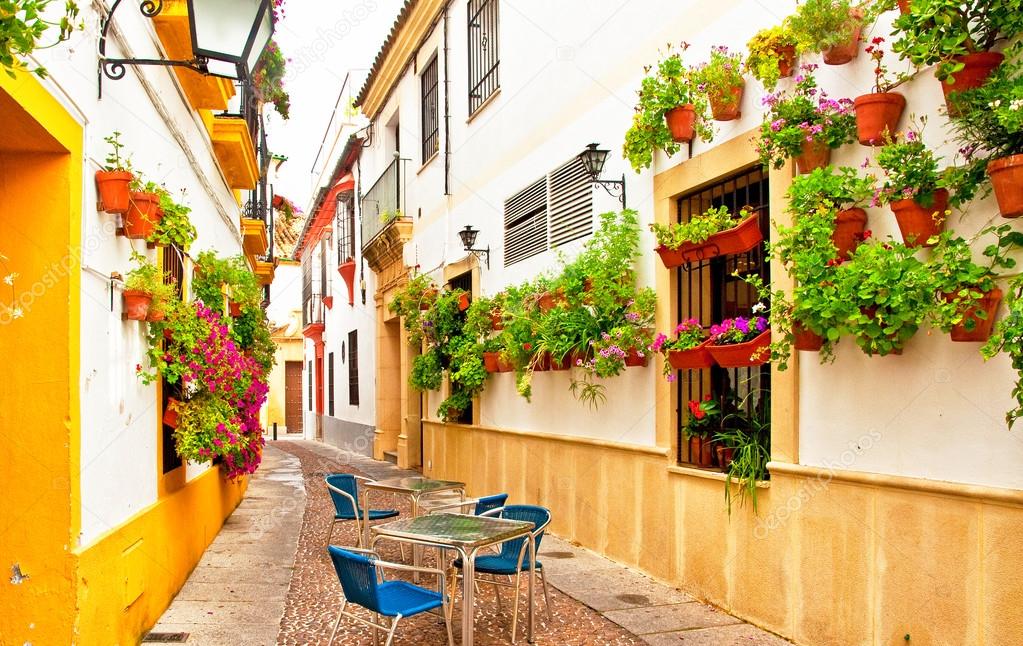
(738, 239)
(743, 355)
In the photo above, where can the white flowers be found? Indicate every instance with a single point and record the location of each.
(9, 279)
(758, 307)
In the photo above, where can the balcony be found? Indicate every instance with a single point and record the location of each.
(235, 151)
(312, 317)
(265, 269)
(255, 239)
(385, 229)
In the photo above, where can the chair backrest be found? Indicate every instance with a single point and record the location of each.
(345, 482)
(488, 503)
(358, 577)
(539, 516)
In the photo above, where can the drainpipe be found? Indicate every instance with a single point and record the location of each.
(447, 111)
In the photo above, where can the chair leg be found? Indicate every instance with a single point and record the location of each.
(394, 626)
(546, 599)
(330, 531)
(376, 631)
(447, 621)
(497, 591)
(515, 606)
(336, 624)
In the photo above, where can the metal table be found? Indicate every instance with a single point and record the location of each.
(467, 535)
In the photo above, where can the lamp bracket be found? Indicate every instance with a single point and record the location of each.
(614, 188)
(481, 254)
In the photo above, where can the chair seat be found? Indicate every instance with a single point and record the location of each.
(405, 599)
(497, 564)
(374, 514)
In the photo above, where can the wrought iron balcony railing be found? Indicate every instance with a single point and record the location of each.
(381, 203)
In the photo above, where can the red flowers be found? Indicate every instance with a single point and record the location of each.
(695, 410)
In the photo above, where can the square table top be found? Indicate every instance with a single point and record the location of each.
(414, 484)
(457, 530)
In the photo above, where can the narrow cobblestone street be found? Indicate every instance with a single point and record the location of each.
(267, 578)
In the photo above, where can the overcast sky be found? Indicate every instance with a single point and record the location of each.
(322, 40)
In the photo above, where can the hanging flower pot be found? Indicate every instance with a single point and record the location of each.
(426, 300)
(136, 304)
(463, 302)
(701, 451)
(725, 106)
(235, 308)
(920, 223)
(904, 6)
(170, 413)
(786, 61)
(695, 359)
(849, 226)
(878, 115)
(504, 365)
(496, 322)
(542, 362)
(142, 215)
(565, 363)
(844, 52)
(682, 122)
(112, 186)
(815, 155)
(492, 361)
(636, 360)
(154, 316)
(977, 68)
(739, 239)
(1007, 179)
(549, 300)
(981, 327)
(804, 339)
(743, 355)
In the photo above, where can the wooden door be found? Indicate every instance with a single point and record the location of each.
(293, 396)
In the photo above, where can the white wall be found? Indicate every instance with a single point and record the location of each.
(119, 442)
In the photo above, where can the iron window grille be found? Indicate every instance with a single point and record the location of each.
(429, 110)
(353, 368)
(710, 291)
(484, 56)
(345, 230)
(174, 274)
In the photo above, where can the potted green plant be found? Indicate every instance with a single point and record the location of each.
(957, 36)
(1007, 337)
(913, 188)
(268, 79)
(704, 420)
(831, 27)
(804, 124)
(878, 113)
(772, 54)
(140, 284)
(427, 373)
(113, 180)
(887, 293)
(988, 121)
(721, 79)
(408, 304)
(715, 232)
(745, 439)
(740, 342)
(686, 351)
(670, 110)
(841, 189)
(174, 226)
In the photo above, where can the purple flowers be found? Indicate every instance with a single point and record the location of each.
(737, 330)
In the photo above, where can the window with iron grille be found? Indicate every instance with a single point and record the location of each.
(309, 379)
(353, 368)
(330, 384)
(710, 291)
(548, 213)
(484, 56)
(345, 229)
(324, 261)
(174, 274)
(429, 110)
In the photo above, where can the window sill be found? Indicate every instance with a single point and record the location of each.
(483, 106)
(710, 475)
(426, 163)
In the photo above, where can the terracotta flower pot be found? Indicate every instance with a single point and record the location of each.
(142, 215)
(1007, 179)
(492, 361)
(496, 321)
(463, 302)
(726, 106)
(167, 334)
(634, 360)
(542, 363)
(977, 68)
(743, 355)
(503, 365)
(806, 340)
(725, 455)
(849, 226)
(786, 61)
(682, 122)
(739, 239)
(919, 223)
(815, 155)
(701, 451)
(694, 359)
(981, 327)
(426, 300)
(153, 316)
(170, 413)
(878, 115)
(235, 309)
(904, 6)
(845, 52)
(136, 304)
(549, 300)
(112, 186)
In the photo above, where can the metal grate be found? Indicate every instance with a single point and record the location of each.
(345, 230)
(382, 198)
(709, 292)
(174, 274)
(429, 110)
(483, 52)
(164, 638)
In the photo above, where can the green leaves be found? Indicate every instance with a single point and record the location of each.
(21, 28)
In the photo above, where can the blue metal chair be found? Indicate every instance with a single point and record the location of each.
(480, 505)
(511, 560)
(362, 581)
(344, 491)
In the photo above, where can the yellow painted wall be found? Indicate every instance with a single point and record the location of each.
(830, 560)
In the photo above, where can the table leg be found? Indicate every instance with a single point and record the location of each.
(415, 548)
(532, 583)
(468, 595)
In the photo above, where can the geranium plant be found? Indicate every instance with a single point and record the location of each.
(704, 417)
(960, 283)
(687, 335)
(737, 330)
(772, 54)
(667, 86)
(818, 25)
(175, 227)
(699, 228)
(1007, 337)
(910, 171)
(721, 79)
(801, 119)
(268, 79)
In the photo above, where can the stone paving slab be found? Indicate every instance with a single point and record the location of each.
(675, 617)
(737, 635)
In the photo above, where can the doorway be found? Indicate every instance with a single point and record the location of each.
(293, 396)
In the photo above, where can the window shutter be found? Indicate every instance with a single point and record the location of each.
(525, 223)
(571, 203)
